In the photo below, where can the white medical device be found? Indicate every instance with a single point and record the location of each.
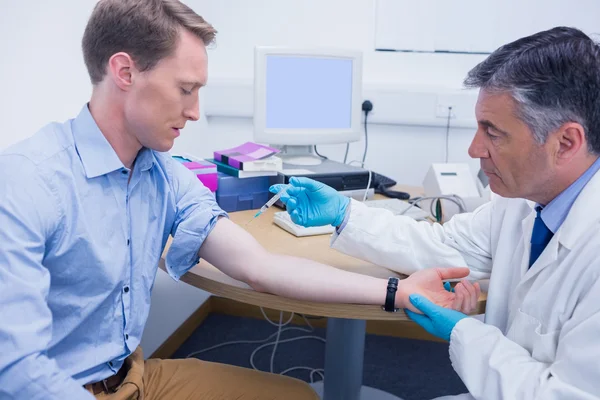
(456, 180)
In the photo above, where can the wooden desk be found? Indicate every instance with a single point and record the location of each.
(346, 325)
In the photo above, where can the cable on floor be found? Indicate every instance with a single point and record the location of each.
(265, 343)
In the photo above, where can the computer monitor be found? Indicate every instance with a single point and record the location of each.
(306, 97)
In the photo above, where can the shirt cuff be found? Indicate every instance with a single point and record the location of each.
(183, 253)
(345, 221)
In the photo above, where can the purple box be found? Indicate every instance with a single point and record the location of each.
(245, 153)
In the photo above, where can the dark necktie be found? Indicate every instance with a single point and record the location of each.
(540, 237)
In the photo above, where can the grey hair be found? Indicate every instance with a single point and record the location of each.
(542, 120)
(554, 78)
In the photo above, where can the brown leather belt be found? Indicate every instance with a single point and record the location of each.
(109, 384)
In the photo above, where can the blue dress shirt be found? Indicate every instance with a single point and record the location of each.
(555, 213)
(80, 241)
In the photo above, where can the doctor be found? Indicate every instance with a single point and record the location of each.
(538, 140)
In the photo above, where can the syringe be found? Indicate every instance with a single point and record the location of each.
(270, 202)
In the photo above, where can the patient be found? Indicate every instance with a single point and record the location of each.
(86, 208)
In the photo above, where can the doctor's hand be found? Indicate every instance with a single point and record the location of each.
(312, 203)
(438, 321)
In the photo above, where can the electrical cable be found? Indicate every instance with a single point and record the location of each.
(448, 132)
(346, 155)
(366, 138)
(275, 343)
(453, 198)
(275, 323)
(362, 164)
(312, 372)
(278, 341)
(317, 153)
(252, 341)
(367, 106)
(318, 371)
(258, 341)
(438, 215)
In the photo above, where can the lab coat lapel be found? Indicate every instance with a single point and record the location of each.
(579, 220)
(548, 256)
(527, 226)
(583, 215)
(515, 299)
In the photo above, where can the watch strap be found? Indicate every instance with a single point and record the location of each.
(390, 296)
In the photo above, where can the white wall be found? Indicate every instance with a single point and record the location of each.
(42, 79)
(393, 81)
(332, 23)
(457, 26)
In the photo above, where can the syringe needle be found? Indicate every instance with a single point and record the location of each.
(268, 204)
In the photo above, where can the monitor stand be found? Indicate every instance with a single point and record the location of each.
(298, 155)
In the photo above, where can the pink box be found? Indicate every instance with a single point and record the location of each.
(204, 170)
(206, 173)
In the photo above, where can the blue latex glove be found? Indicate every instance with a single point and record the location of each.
(312, 203)
(438, 321)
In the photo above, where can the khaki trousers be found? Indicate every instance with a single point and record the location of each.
(190, 378)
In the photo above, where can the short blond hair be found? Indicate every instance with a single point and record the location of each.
(147, 30)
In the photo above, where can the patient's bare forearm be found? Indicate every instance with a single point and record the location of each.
(309, 280)
(235, 252)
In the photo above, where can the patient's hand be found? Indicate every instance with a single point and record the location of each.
(430, 284)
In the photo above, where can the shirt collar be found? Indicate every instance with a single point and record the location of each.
(145, 159)
(96, 154)
(555, 213)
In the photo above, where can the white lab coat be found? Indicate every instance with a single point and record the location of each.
(541, 336)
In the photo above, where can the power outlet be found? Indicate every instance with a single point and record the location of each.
(442, 110)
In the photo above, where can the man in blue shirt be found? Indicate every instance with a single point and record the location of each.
(87, 206)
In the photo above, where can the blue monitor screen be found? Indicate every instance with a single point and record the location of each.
(308, 93)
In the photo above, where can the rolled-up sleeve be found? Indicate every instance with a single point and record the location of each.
(28, 218)
(196, 215)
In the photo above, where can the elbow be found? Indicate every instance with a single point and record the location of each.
(257, 286)
(257, 283)
(256, 274)
(256, 279)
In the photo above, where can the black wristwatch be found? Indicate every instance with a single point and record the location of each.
(390, 297)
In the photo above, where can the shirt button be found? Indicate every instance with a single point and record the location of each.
(127, 242)
(126, 289)
(126, 336)
(124, 172)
